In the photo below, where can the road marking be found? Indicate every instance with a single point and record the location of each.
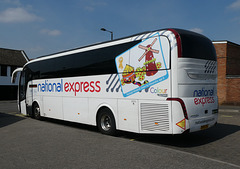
(203, 157)
(199, 156)
(229, 110)
(16, 114)
(226, 116)
(211, 159)
(20, 115)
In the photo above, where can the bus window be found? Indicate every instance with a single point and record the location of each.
(196, 46)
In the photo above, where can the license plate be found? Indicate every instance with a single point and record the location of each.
(204, 127)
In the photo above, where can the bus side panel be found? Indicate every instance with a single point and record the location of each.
(128, 115)
(75, 109)
(53, 107)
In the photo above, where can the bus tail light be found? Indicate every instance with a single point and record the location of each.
(182, 105)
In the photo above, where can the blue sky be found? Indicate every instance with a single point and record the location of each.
(41, 27)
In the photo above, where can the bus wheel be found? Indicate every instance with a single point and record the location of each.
(106, 122)
(36, 111)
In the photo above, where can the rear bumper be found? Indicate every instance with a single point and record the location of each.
(197, 124)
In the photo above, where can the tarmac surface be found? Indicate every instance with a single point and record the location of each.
(29, 143)
(231, 109)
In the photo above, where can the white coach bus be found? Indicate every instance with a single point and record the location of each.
(159, 82)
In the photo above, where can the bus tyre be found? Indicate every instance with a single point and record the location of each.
(36, 111)
(106, 122)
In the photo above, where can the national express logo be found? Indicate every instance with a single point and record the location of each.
(74, 87)
(204, 96)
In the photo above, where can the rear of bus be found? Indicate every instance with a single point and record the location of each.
(194, 83)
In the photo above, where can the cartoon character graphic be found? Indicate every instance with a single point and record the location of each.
(151, 67)
(129, 76)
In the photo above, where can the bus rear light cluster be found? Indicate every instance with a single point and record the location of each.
(182, 105)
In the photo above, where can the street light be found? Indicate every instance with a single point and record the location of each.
(103, 29)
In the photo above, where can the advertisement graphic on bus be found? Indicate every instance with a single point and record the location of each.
(141, 70)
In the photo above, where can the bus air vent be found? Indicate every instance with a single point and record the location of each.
(154, 117)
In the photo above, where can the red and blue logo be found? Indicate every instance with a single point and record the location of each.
(75, 87)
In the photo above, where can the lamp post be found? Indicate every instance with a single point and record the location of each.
(103, 29)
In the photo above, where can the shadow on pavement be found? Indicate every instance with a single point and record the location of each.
(188, 140)
(8, 119)
(182, 141)
(71, 124)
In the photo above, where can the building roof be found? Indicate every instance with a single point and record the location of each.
(12, 57)
(225, 41)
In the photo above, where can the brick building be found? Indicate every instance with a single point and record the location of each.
(228, 57)
(9, 61)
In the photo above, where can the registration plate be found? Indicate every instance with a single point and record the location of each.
(204, 127)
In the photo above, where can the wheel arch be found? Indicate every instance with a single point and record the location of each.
(106, 106)
(36, 102)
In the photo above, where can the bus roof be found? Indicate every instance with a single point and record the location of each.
(123, 39)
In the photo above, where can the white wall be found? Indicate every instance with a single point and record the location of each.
(6, 80)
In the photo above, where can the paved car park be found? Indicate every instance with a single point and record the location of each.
(29, 143)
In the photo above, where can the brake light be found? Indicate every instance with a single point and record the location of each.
(182, 105)
(179, 44)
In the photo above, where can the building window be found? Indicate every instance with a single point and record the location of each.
(12, 69)
(3, 70)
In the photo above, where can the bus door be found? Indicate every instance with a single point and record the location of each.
(22, 93)
(21, 96)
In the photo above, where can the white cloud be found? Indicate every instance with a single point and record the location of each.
(51, 32)
(236, 20)
(197, 30)
(13, 15)
(235, 5)
(13, 2)
(90, 6)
